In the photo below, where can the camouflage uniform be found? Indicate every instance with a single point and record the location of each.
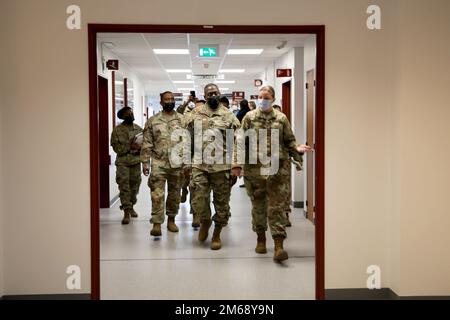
(297, 160)
(157, 145)
(186, 176)
(269, 193)
(207, 177)
(128, 164)
(184, 109)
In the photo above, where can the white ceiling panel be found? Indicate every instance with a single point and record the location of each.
(136, 50)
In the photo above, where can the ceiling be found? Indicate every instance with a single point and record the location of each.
(136, 50)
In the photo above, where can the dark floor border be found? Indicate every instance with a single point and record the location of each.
(77, 296)
(375, 294)
(298, 204)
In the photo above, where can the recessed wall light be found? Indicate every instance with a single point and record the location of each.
(171, 51)
(225, 81)
(178, 70)
(231, 70)
(245, 51)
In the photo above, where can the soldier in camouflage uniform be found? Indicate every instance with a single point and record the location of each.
(186, 181)
(268, 193)
(207, 177)
(128, 164)
(157, 146)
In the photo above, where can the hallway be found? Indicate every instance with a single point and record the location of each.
(177, 266)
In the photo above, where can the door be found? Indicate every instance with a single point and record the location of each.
(310, 172)
(286, 99)
(103, 139)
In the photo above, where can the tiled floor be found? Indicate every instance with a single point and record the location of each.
(176, 266)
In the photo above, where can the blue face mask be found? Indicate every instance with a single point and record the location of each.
(264, 104)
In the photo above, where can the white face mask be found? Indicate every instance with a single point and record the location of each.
(235, 107)
(264, 104)
(191, 105)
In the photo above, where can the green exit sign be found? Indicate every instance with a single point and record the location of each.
(208, 52)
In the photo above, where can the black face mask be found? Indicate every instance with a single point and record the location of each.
(213, 102)
(168, 106)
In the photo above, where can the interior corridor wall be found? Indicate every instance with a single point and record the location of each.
(310, 58)
(293, 59)
(50, 228)
(421, 175)
(138, 86)
(2, 210)
(3, 34)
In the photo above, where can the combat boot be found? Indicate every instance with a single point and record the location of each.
(289, 224)
(126, 216)
(204, 228)
(133, 213)
(216, 244)
(261, 242)
(195, 220)
(184, 193)
(280, 254)
(156, 230)
(171, 226)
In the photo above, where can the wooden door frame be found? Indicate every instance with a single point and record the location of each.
(104, 159)
(318, 30)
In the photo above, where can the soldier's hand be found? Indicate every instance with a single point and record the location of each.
(145, 170)
(304, 148)
(236, 172)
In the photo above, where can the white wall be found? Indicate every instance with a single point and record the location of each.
(421, 153)
(2, 211)
(309, 64)
(298, 121)
(380, 190)
(293, 59)
(126, 72)
(3, 32)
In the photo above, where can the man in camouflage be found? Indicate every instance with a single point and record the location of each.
(268, 190)
(128, 164)
(211, 175)
(157, 146)
(185, 109)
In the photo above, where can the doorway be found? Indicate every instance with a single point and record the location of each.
(319, 31)
(310, 87)
(286, 99)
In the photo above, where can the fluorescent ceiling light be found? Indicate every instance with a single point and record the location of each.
(225, 81)
(231, 70)
(171, 51)
(185, 89)
(119, 82)
(224, 89)
(183, 81)
(245, 51)
(179, 70)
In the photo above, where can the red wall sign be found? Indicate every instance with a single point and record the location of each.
(284, 73)
(238, 95)
(112, 64)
